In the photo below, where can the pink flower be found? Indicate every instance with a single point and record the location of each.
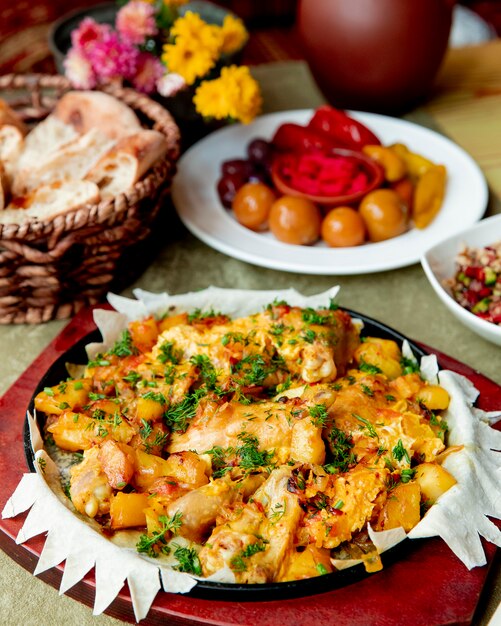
(149, 70)
(170, 84)
(113, 58)
(136, 21)
(78, 70)
(88, 33)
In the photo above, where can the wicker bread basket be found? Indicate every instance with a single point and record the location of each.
(50, 269)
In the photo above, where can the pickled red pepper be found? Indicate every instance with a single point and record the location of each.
(323, 175)
(342, 129)
(328, 128)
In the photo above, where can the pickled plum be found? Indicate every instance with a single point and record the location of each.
(240, 167)
(227, 187)
(260, 152)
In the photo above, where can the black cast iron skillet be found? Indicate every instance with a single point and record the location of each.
(244, 592)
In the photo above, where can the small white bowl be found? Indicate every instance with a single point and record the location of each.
(439, 265)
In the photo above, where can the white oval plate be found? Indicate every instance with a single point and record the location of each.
(195, 198)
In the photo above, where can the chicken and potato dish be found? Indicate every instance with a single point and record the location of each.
(265, 444)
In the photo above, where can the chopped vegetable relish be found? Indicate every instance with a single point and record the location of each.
(476, 285)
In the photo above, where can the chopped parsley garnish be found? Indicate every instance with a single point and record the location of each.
(409, 366)
(146, 430)
(77, 385)
(168, 354)
(155, 396)
(341, 446)
(96, 396)
(321, 569)
(310, 316)
(309, 335)
(250, 456)
(170, 374)
(219, 461)
(156, 544)
(367, 390)
(198, 315)
(253, 369)
(399, 452)
(188, 560)
(407, 475)
(369, 368)
(279, 510)
(234, 338)
(238, 564)
(133, 378)
(124, 346)
(369, 427)
(48, 391)
(99, 362)
(319, 415)
(98, 414)
(206, 369)
(101, 431)
(177, 416)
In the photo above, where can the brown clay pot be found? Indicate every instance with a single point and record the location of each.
(374, 55)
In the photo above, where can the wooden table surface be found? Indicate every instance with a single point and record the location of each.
(466, 106)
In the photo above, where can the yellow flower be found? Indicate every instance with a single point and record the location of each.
(235, 94)
(192, 28)
(188, 59)
(172, 3)
(234, 34)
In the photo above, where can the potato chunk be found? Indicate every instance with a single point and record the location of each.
(434, 481)
(72, 395)
(402, 508)
(127, 510)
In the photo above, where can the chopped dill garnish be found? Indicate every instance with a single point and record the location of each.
(156, 544)
(319, 415)
(124, 346)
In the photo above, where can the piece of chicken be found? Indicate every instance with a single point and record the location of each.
(263, 349)
(89, 487)
(375, 420)
(199, 508)
(255, 539)
(339, 506)
(288, 428)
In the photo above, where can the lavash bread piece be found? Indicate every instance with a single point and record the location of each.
(50, 201)
(72, 161)
(11, 148)
(131, 157)
(47, 137)
(4, 187)
(84, 110)
(9, 116)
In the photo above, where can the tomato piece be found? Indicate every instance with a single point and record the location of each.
(295, 220)
(384, 214)
(252, 205)
(343, 227)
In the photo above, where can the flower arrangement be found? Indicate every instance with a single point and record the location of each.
(157, 50)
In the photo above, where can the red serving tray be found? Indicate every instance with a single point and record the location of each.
(429, 587)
